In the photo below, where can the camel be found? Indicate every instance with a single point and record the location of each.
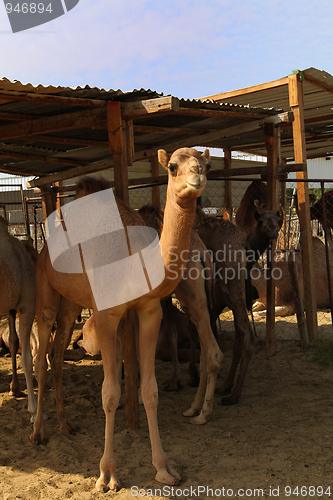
(194, 293)
(284, 298)
(234, 257)
(186, 180)
(254, 199)
(17, 297)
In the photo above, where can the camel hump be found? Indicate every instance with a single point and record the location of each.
(89, 185)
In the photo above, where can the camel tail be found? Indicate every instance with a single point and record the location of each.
(89, 185)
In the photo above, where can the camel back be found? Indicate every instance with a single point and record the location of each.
(153, 217)
(255, 198)
(88, 185)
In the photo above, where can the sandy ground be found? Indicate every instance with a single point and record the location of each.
(280, 435)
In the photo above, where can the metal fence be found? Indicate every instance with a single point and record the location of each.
(23, 208)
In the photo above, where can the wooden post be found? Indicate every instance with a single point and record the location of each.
(48, 201)
(121, 143)
(155, 192)
(227, 184)
(271, 146)
(298, 299)
(296, 98)
(283, 204)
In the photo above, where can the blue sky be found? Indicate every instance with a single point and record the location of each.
(187, 48)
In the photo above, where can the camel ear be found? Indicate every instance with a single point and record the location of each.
(163, 158)
(206, 154)
(256, 203)
(256, 215)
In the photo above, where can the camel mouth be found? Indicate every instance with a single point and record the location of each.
(196, 186)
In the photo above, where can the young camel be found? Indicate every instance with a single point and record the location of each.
(194, 293)
(186, 180)
(234, 257)
(17, 297)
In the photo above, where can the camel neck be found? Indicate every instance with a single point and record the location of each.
(257, 243)
(175, 238)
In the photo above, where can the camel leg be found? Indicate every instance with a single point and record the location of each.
(245, 338)
(68, 312)
(192, 369)
(196, 406)
(106, 324)
(172, 337)
(26, 319)
(47, 306)
(13, 348)
(149, 324)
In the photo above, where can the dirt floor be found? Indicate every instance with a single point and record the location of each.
(278, 438)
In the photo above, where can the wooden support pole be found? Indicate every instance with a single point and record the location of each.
(227, 184)
(119, 148)
(122, 147)
(296, 98)
(48, 201)
(155, 192)
(298, 299)
(271, 146)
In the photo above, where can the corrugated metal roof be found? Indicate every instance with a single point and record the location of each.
(55, 146)
(318, 110)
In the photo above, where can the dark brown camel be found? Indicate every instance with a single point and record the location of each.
(254, 199)
(233, 260)
(186, 180)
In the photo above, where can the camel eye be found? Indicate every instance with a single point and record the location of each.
(208, 167)
(172, 167)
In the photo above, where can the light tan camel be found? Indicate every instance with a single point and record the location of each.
(254, 199)
(234, 257)
(194, 293)
(284, 298)
(17, 297)
(186, 180)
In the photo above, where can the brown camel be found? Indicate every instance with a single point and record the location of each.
(254, 199)
(194, 293)
(234, 257)
(186, 180)
(284, 298)
(17, 297)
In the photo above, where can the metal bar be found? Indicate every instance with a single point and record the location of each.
(328, 239)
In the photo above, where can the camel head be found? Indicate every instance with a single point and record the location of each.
(269, 223)
(187, 170)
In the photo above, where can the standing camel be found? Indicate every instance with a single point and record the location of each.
(186, 180)
(17, 297)
(194, 293)
(234, 256)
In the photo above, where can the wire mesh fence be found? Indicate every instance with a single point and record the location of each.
(23, 211)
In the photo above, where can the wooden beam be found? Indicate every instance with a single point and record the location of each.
(227, 184)
(219, 113)
(79, 119)
(148, 129)
(224, 96)
(211, 137)
(271, 146)
(318, 83)
(50, 99)
(48, 201)
(66, 140)
(155, 192)
(148, 107)
(44, 159)
(71, 173)
(13, 170)
(296, 98)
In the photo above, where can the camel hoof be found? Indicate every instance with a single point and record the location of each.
(229, 401)
(191, 413)
(199, 420)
